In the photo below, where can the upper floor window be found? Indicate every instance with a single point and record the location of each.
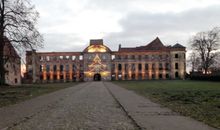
(113, 57)
(48, 58)
(176, 66)
(81, 57)
(73, 57)
(176, 56)
(61, 57)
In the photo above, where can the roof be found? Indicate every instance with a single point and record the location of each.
(178, 46)
(96, 42)
(156, 44)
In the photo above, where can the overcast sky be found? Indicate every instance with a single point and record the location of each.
(68, 25)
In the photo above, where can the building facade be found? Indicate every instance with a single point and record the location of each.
(98, 62)
(12, 65)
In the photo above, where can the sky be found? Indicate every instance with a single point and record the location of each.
(68, 25)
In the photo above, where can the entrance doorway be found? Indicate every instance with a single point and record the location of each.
(97, 77)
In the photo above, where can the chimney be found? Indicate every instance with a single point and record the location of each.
(119, 47)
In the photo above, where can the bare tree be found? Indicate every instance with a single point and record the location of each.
(194, 62)
(206, 44)
(18, 20)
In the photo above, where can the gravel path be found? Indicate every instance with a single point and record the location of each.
(92, 107)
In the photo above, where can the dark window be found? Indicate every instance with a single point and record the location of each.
(41, 68)
(48, 68)
(119, 67)
(61, 68)
(176, 66)
(176, 56)
(177, 75)
(160, 66)
(160, 76)
(153, 76)
(54, 68)
(146, 66)
(153, 66)
(139, 67)
(167, 66)
(16, 80)
(167, 76)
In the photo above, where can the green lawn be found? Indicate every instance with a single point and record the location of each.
(13, 94)
(197, 99)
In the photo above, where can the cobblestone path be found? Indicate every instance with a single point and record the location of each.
(90, 108)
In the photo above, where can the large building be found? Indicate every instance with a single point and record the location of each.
(12, 64)
(98, 62)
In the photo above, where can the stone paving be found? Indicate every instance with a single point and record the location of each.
(93, 106)
(90, 108)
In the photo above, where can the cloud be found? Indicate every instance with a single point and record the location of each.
(140, 27)
(68, 26)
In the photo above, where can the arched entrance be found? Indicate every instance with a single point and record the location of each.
(97, 77)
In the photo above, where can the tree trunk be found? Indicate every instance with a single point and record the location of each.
(2, 68)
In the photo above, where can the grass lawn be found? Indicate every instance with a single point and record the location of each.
(13, 94)
(197, 99)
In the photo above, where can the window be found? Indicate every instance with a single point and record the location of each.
(139, 67)
(61, 68)
(67, 57)
(16, 80)
(153, 66)
(146, 57)
(73, 57)
(113, 57)
(41, 68)
(119, 67)
(146, 66)
(48, 58)
(61, 57)
(160, 66)
(81, 57)
(132, 57)
(67, 67)
(54, 68)
(139, 57)
(176, 66)
(167, 66)
(167, 76)
(126, 67)
(177, 75)
(74, 68)
(160, 76)
(176, 56)
(133, 67)
(48, 68)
